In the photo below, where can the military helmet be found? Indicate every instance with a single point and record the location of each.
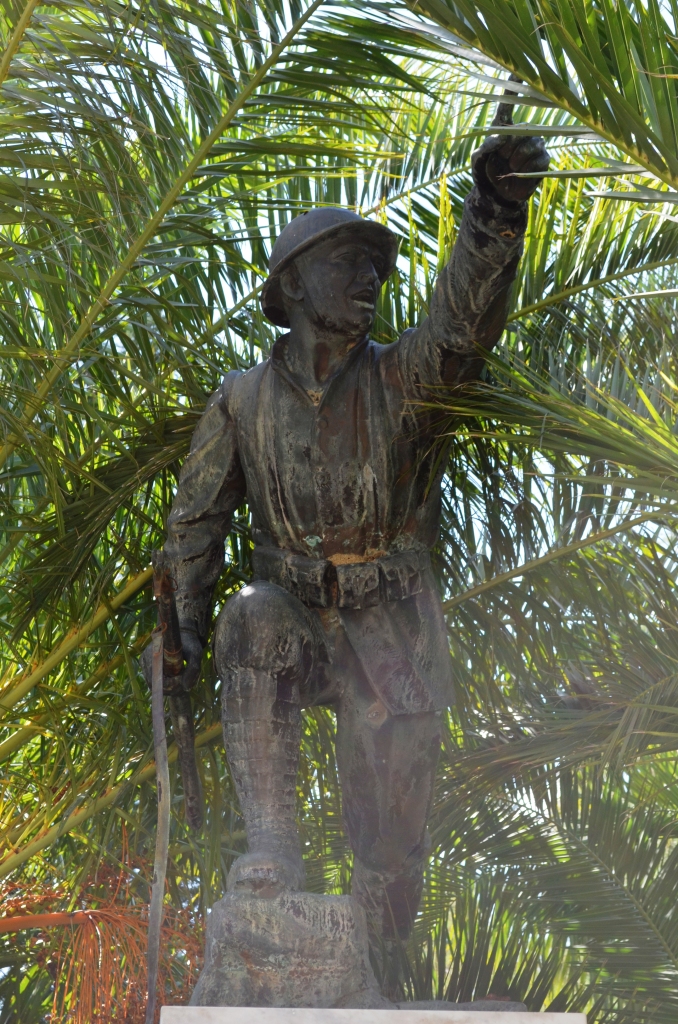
(316, 226)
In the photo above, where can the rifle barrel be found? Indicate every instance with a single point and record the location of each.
(163, 590)
(179, 700)
(504, 115)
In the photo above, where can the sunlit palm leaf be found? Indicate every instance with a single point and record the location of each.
(102, 109)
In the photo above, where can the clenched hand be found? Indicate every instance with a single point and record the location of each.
(505, 154)
(192, 649)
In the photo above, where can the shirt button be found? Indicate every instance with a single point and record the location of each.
(323, 421)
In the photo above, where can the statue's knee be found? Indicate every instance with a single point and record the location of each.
(263, 628)
(398, 851)
(390, 898)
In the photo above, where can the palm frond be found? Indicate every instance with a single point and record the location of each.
(552, 880)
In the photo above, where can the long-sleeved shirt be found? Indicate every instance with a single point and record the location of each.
(350, 474)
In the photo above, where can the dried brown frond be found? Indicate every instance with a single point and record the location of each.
(96, 953)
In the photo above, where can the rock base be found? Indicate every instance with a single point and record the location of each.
(294, 950)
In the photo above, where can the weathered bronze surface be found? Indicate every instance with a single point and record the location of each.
(297, 949)
(325, 442)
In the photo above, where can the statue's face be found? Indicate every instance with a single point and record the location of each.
(338, 285)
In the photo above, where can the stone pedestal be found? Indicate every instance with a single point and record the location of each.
(295, 950)
(300, 958)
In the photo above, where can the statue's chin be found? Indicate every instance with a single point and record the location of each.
(345, 326)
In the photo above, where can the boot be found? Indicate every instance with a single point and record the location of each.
(262, 735)
(390, 900)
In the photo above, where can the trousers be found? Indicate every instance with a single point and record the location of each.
(275, 656)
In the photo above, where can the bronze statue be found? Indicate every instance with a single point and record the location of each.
(325, 442)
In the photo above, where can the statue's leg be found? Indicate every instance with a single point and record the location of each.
(387, 765)
(266, 645)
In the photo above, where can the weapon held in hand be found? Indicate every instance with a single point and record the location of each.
(167, 665)
(163, 828)
(179, 700)
(504, 115)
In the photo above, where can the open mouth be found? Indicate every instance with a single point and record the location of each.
(364, 299)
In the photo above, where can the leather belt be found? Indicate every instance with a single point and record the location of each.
(320, 584)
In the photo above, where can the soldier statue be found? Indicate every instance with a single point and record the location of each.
(328, 443)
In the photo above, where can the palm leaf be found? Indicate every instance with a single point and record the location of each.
(556, 545)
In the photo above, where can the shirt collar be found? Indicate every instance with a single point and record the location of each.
(277, 359)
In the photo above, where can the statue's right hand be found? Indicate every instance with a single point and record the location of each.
(192, 649)
(500, 157)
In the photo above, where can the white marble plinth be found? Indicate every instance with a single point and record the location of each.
(275, 1015)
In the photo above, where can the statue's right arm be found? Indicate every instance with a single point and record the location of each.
(470, 301)
(211, 487)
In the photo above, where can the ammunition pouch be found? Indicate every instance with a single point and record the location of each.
(320, 584)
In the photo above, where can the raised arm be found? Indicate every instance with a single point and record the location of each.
(211, 487)
(470, 301)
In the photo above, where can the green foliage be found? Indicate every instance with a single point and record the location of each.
(610, 65)
(133, 246)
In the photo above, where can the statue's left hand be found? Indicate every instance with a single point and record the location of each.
(501, 155)
(192, 649)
